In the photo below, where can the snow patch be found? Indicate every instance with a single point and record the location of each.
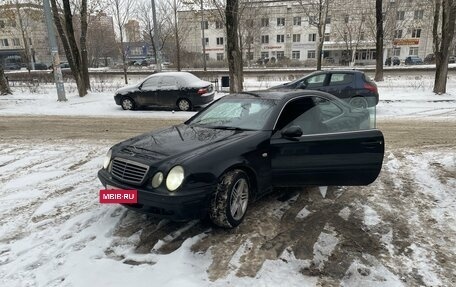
(323, 248)
(371, 217)
(345, 213)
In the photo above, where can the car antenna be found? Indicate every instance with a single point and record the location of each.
(250, 93)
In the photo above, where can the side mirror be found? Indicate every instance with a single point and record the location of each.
(292, 132)
(301, 85)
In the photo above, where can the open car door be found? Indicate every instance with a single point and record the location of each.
(319, 140)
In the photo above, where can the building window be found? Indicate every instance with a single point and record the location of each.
(345, 37)
(397, 52)
(413, 51)
(219, 56)
(16, 42)
(206, 41)
(346, 19)
(2, 24)
(207, 56)
(297, 21)
(4, 42)
(281, 21)
(204, 25)
(363, 18)
(218, 25)
(264, 39)
(400, 15)
(419, 14)
(312, 37)
(280, 55)
(327, 38)
(249, 23)
(219, 40)
(311, 54)
(328, 19)
(280, 38)
(264, 55)
(361, 36)
(416, 33)
(264, 22)
(296, 55)
(398, 34)
(249, 55)
(312, 20)
(296, 38)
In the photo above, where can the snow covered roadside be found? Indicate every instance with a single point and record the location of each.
(400, 96)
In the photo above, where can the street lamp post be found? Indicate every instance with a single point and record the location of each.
(204, 39)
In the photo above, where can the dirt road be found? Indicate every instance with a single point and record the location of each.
(403, 133)
(401, 227)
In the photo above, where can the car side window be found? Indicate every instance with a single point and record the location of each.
(150, 84)
(315, 81)
(304, 113)
(328, 109)
(341, 79)
(168, 81)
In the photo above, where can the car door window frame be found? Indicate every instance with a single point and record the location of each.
(149, 79)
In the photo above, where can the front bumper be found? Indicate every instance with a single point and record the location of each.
(180, 205)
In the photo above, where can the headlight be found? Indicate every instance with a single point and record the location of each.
(175, 178)
(157, 179)
(107, 159)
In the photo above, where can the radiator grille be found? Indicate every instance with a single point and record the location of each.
(128, 171)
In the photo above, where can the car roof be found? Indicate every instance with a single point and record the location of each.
(281, 95)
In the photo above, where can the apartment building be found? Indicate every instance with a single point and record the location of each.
(277, 30)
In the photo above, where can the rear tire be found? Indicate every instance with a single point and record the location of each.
(229, 204)
(184, 105)
(127, 103)
(358, 102)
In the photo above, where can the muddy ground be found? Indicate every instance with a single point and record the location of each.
(293, 220)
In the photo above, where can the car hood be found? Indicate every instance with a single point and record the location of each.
(180, 141)
(127, 89)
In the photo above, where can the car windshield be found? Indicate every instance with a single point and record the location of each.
(236, 113)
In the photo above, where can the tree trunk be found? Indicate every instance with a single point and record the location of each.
(379, 44)
(447, 10)
(83, 44)
(4, 86)
(234, 54)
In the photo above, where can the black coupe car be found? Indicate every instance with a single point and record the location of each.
(169, 89)
(237, 149)
(353, 86)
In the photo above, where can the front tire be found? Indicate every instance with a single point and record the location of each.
(184, 105)
(229, 204)
(127, 103)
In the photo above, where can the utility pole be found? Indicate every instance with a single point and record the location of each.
(156, 37)
(204, 39)
(58, 78)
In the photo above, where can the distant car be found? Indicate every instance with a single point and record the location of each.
(413, 60)
(170, 89)
(237, 149)
(350, 85)
(41, 66)
(429, 59)
(452, 59)
(395, 61)
(12, 66)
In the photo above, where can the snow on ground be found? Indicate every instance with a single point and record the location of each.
(409, 95)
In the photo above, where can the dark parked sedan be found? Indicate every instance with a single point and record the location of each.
(413, 60)
(171, 89)
(350, 85)
(237, 149)
(395, 61)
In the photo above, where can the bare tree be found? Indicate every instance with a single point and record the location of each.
(76, 54)
(379, 42)
(177, 30)
(317, 12)
(122, 10)
(234, 54)
(4, 87)
(101, 41)
(444, 20)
